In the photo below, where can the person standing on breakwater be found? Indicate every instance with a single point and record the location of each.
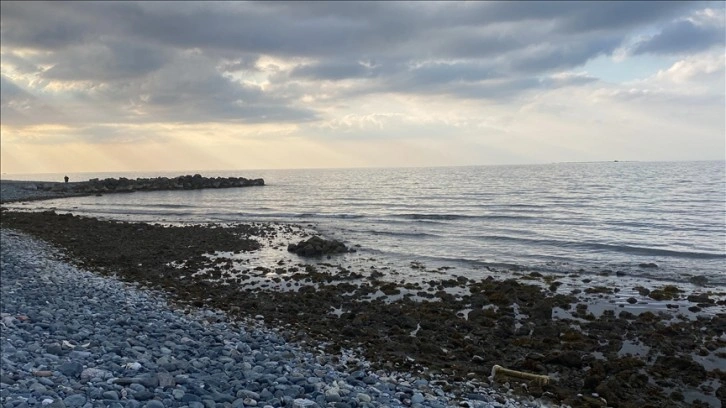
(65, 178)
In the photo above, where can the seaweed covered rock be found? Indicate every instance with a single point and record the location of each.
(317, 246)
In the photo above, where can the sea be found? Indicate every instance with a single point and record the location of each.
(589, 218)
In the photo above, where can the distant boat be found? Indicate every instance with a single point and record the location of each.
(615, 161)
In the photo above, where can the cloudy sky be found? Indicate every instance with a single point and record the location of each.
(100, 86)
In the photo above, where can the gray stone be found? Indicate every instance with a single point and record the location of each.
(149, 381)
(144, 395)
(166, 380)
(79, 355)
(57, 403)
(38, 388)
(125, 381)
(75, 400)
(95, 393)
(370, 380)
(265, 395)
(54, 348)
(332, 395)
(137, 387)
(190, 398)
(248, 394)
(46, 381)
(71, 369)
(364, 397)
(91, 373)
(110, 395)
(219, 397)
(154, 404)
(303, 403)
(6, 379)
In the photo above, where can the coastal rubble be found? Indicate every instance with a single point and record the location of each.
(19, 190)
(187, 182)
(139, 351)
(443, 328)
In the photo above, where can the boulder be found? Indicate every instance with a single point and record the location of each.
(317, 246)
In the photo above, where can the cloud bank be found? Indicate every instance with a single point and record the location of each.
(337, 75)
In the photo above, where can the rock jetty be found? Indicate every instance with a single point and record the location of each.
(43, 190)
(194, 182)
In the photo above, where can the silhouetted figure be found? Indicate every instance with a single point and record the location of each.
(65, 178)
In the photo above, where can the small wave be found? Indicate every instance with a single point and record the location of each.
(645, 251)
(508, 206)
(169, 206)
(601, 247)
(400, 234)
(318, 215)
(450, 217)
(433, 216)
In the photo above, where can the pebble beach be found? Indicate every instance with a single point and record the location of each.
(72, 338)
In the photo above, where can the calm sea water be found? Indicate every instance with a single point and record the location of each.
(555, 217)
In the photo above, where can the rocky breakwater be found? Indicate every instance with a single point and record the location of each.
(38, 190)
(195, 182)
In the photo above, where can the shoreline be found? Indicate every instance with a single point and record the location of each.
(71, 338)
(451, 327)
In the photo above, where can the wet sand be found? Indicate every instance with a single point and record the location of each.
(603, 339)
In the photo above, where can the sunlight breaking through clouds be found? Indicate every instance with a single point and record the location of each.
(328, 84)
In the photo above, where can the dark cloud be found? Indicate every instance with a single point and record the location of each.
(546, 57)
(683, 37)
(566, 80)
(21, 64)
(190, 89)
(187, 90)
(19, 107)
(446, 72)
(322, 29)
(458, 43)
(197, 61)
(10, 91)
(615, 15)
(234, 63)
(565, 17)
(109, 61)
(336, 70)
(41, 25)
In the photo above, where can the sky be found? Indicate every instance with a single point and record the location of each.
(126, 86)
